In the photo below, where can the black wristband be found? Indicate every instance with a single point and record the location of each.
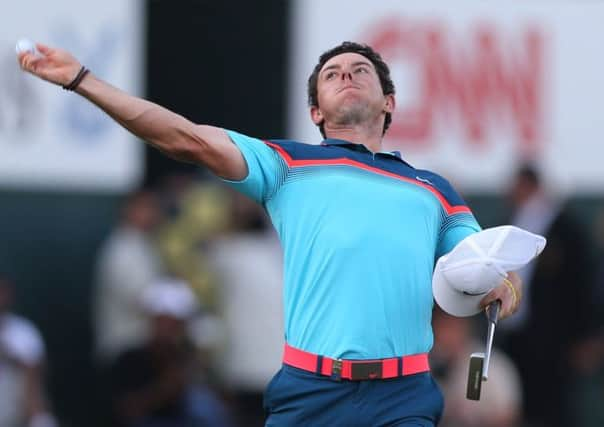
(78, 78)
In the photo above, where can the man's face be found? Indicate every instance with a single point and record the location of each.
(521, 190)
(166, 328)
(349, 91)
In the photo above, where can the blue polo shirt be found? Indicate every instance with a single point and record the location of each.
(361, 232)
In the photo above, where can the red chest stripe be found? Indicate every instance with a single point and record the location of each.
(347, 162)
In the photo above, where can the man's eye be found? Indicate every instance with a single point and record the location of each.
(361, 70)
(330, 75)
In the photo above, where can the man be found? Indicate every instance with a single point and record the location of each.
(127, 264)
(248, 261)
(361, 230)
(22, 386)
(560, 320)
(154, 384)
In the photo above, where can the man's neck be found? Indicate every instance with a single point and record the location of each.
(357, 135)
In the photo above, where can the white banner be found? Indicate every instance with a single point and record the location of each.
(480, 85)
(53, 139)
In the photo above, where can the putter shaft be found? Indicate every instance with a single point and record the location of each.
(492, 315)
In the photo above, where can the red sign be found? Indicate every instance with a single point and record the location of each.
(490, 81)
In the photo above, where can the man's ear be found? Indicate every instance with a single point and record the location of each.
(390, 103)
(316, 115)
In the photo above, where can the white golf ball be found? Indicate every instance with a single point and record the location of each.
(25, 45)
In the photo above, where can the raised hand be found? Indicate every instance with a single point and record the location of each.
(53, 65)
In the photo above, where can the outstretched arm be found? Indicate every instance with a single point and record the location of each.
(171, 133)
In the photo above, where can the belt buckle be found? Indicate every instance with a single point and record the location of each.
(366, 370)
(336, 369)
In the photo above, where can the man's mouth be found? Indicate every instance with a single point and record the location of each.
(342, 89)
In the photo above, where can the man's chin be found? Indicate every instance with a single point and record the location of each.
(352, 113)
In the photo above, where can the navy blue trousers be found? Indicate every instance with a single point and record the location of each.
(299, 398)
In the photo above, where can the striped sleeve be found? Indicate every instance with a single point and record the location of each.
(454, 226)
(266, 169)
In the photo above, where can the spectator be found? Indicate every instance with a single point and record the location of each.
(557, 315)
(248, 260)
(198, 212)
(500, 402)
(127, 264)
(152, 384)
(588, 357)
(22, 388)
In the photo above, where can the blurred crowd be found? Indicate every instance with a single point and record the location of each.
(188, 327)
(548, 366)
(188, 312)
(186, 315)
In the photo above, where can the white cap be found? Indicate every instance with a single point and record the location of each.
(171, 297)
(20, 339)
(478, 264)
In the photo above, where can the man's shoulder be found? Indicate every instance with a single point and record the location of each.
(296, 150)
(441, 185)
(433, 179)
(293, 144)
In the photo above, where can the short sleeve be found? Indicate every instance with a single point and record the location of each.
(455, 229)
(266, 169)
(456, 224)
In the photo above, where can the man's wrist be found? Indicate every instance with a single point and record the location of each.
(71, 86)
(510, 285)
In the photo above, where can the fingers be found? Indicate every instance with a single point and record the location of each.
(502, 293)
(508, 293)
(29, 61)
(498, 294)
(20, 57)
(53, 65)
(25, 60)
(42, 48)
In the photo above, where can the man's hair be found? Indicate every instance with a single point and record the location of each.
(381, 67)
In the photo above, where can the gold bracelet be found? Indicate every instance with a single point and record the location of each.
(511, 286)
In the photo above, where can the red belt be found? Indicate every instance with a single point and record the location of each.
(356, 369)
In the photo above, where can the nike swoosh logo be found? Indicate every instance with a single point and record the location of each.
(426, 181)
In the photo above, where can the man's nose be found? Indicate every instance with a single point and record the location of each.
(347, 75)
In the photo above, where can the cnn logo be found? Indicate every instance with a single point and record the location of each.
(486, 82)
